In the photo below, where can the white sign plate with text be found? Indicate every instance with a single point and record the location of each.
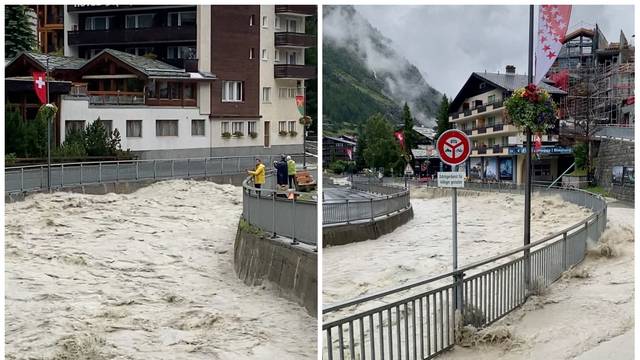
(452, 179)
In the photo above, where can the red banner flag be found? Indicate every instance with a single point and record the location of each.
(349, 153)
(300, 104)
(537, 143)
(400, 136)
(40, 86)
(553, 21)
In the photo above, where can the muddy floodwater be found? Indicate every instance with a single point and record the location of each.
(148, 275)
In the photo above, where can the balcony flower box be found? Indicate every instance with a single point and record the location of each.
(253, 134)
(293, 133)
(226, 135)
(238, 134)
(283, 133)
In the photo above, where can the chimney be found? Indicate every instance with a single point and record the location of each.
(510, 69)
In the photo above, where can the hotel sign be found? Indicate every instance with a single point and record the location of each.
(545, 150)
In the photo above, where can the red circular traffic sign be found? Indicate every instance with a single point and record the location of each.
(453, 147)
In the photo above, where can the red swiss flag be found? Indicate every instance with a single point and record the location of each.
(40, 85)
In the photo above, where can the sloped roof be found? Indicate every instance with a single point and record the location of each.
(511, 82)
(55, 62)
(147, 66)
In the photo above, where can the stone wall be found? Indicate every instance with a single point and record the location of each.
(292, 269)
(612, 153)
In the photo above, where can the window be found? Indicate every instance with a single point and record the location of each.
(277, 22)
(265, 55)
(288, 92)
(265, 22)
(139, 21)
(282, 126)
(186, 18)
(252, 20)
(181, 52)
(140, 51)
(166, 127)
(97, 23)
(189, 91)
(232, 91)
(292, 126)
(224, 127)
(492, 142)
(292, 58)
(252, 53)
(266, 94)
(491, 120)
(134, 128)
(73, 125)
(277, 56)
(251, 127)
(197, 127)
(292, 26)
(164, 89)
(151, 89)
(491, 99)
(237, 127)
(505, 141)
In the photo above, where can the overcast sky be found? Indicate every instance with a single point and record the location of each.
(448, 43)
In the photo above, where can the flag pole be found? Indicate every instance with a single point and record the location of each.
(304, 133)
(527, 174)
(48, 133)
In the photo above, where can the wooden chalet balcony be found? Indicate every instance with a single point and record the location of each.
(123, 36)
(115, 98)
(306, 10)
(295, 39)
(287, 71)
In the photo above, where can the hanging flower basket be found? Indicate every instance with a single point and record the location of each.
(305, 120)
(48, 110)
(531, 108)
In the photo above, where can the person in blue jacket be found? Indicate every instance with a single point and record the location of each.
(281, 171)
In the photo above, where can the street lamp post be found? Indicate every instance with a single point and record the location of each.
(48, 134)
(527, 173)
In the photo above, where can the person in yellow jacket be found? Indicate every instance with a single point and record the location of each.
(258, 174)
(291, 171)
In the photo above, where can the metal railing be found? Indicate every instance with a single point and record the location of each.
(271, 211)
(422, 323)
(34, 177)
(392, 199)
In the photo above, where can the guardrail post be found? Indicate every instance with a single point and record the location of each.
(117, 171)
(81, 173)
(100, 172)
(458, 301)
(172, 167)
(62, 175)
(41, 177)
(205, 167)
(154, 170)
(137, 170)
(238, 165)
(273, 211)
(188, 167)
(564, 251)
(221, 165)
(293, 223)
(371, 206)
(347, 202)
(21, 179)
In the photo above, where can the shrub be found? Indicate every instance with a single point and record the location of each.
(238, 134)
(293, 133)
(10, 159)
(282, 133)
(340, 166)
(226, 135)
(253, 134)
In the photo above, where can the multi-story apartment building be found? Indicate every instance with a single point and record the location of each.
(498, 146)
(234, 95)
(50, 28)
(599, 77)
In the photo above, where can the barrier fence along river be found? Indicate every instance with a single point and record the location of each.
(422, 324)
(392, 199)
(34, 177)
(276, 215)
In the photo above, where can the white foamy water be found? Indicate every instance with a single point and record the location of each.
(147, 275)
(488, 224)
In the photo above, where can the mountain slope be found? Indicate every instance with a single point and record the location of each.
(363, 75)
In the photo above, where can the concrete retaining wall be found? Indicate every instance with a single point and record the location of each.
(125, 187)
(614, 153)
(292, 269)
(349, 233)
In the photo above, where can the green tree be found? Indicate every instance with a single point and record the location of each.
(19, 33)
(382, 149)
(410, 137)
(361, 145)
(97, 139)
(443, 116)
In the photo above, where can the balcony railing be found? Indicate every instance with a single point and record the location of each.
(307, 10)
(115, 98)
(480, 109)
(121, 36)
(295, 39)
(287, 71)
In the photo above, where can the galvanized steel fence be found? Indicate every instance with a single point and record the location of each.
(34, 177)
(392, 199)
(424, 321)
(272, 212)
